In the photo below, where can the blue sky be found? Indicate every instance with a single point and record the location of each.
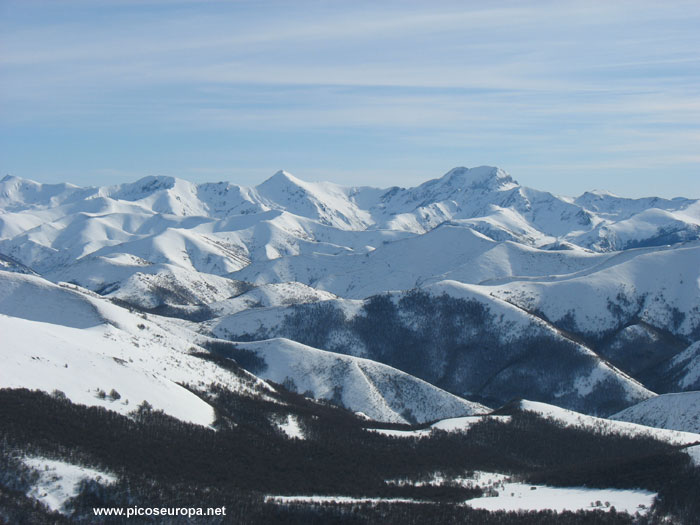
(565, 96)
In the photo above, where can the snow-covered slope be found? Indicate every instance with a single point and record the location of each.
(85, 365)
(447, 252)
(378, 391)
(566, 286)
(58, 481)
(35, 299)
(147, 285)
(11, 265)
(485, 199)
(269, 295)
(660, 286)
(57, 338)
(455, 336)
(608, 426)
(684, 369)
(86, 347)
(673, 411)
(639, 309)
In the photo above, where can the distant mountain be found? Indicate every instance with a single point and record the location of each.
(485, 199)
(597, 294)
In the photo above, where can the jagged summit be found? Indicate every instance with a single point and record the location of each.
(282, 176)
(282, 183)
(459, 177)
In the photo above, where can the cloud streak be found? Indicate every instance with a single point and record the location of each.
(512, 81)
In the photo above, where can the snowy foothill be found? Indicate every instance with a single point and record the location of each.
(455, 424)
(91, 368)
(574, 419)
(99, 354)
(86, 347)
(586, 379)
(59, 481)
(379, 391)
(676, 411)
(647, 284)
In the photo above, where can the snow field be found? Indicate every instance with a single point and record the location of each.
(59, 481)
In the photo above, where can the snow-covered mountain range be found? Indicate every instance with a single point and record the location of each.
(466, 289)
(301, 347)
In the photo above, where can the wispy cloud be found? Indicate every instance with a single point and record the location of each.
(514, 81)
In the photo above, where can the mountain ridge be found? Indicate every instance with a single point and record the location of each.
(482, 195)
(603, 287)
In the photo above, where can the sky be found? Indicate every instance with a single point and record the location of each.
(565, 96)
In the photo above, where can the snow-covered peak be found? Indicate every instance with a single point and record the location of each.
(326, 202)
(601, 201)
(17, 193)
(283, 187)
(140, 189)
(601, 194)
(282, 183)
(470, 187)
(480, 179)
(160, 194)
(485, 177)
(283, 177)
(45, 225)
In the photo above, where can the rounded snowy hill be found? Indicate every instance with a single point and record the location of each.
(678, 411)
